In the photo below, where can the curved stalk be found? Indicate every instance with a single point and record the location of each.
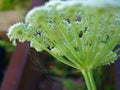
(88, 76)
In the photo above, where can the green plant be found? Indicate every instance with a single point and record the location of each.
(77, 34)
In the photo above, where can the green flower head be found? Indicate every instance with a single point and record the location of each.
(77, 34)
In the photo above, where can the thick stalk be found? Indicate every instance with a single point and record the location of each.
(88, 76)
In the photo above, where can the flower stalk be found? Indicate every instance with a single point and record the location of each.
(89, 79)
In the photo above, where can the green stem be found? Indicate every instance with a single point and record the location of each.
(88, 76)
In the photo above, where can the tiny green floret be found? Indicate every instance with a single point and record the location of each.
(16, 32)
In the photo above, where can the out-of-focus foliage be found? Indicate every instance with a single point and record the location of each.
(14, 4)
(6, 45)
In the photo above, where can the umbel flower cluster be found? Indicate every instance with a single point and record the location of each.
(81, 36)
